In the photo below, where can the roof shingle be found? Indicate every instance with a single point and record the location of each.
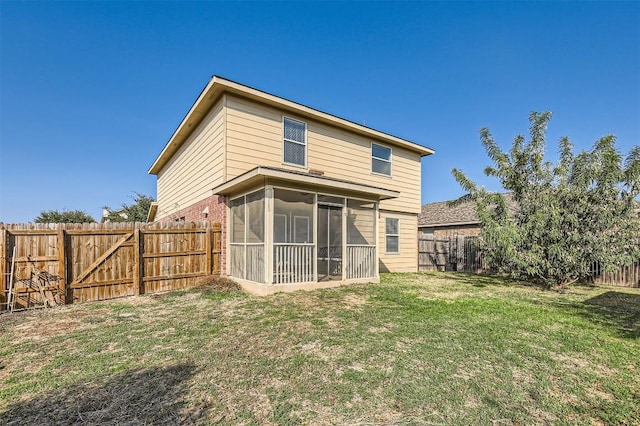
(440, 214)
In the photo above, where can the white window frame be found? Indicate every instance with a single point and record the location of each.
(284, 140)
(387, 234)
(382, 159)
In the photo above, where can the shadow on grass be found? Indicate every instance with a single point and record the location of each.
(135, 397)
(479, 280)
(616, 309)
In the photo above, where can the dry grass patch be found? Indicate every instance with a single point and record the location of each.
(213, 284)
(415, 349)
(44, 324)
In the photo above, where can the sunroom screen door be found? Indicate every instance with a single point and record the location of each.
(329, 243)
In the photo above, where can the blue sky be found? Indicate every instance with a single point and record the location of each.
(90, 92)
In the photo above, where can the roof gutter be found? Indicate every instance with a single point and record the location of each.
(433, 225)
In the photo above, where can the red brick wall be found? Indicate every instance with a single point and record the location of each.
(217, 213)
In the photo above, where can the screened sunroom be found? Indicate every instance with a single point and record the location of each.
(301, 230)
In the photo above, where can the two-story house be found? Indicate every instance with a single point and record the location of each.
(306, 199)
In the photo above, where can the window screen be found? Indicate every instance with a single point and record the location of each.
(301, 229)
(361, 222)
(255, 217)
(293, 216)
(247, 237)
(237, 220)
(295, 143)
(380, 159)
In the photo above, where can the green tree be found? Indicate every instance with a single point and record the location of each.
(65, 216)
(136, 212)
(574, 213)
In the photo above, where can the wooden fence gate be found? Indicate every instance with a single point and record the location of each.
(85, 262)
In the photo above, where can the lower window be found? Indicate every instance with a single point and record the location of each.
(392, 235)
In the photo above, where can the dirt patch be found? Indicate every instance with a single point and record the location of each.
(471, 402)
(522, 376)
(132, 300)
(354, 300)
(602, 395)
(165, 332)
(464, 374)
(42, 325)
(573, 362)
(386, 328)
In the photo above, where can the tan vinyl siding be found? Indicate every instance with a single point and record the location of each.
(407, 259)
(195, 168)
(254, 137)
(361, 223)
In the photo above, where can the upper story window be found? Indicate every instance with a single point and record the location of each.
(295, 142)
(380, 159)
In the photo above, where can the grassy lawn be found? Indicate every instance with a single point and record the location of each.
(416, 349)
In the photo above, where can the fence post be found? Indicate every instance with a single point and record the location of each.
(451, 254)
(217, 248)
(208, 246)
(138, 266)
(62, 266)
(3, 269)
(461, 253)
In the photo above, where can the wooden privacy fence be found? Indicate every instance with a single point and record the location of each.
(461, 254)
(98, 261)
(458, 254)
(627, 276)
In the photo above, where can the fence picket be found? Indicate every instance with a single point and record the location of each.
(102, 261)
(461, 254)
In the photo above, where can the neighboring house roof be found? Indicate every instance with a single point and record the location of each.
(106, 212)
(217, 86)
(440, 214)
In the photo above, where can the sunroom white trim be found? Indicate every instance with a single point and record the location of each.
(258, 174)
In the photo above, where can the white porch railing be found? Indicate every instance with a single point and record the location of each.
(360, 261)
(292, 263)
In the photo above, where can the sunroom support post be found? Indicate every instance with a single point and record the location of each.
(268, 235)
(344, 239)
(376, 222)
(314, 259)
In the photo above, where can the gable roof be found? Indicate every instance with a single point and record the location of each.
(440, 214)
(217, 86)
